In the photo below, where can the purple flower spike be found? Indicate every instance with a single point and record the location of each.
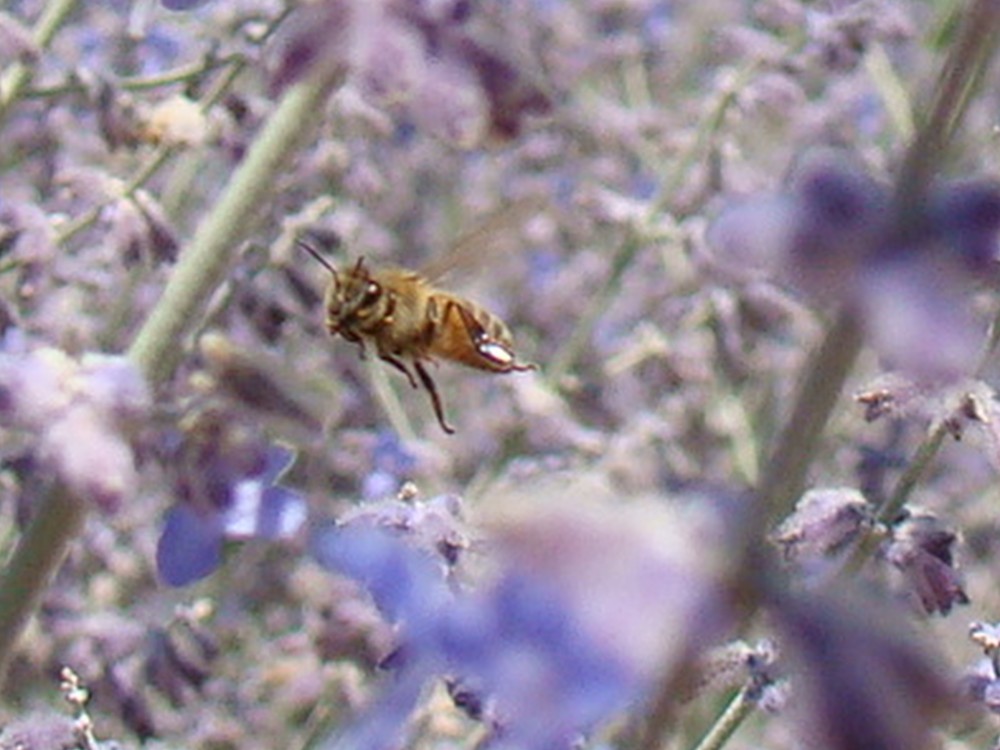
(406, 585)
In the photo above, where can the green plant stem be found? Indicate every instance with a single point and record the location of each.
(39, 554)
(204, 265)
(785, 473)
(893, 505)
(160, 342)
(735, 713)
(16, 78)
(153, 163)
(960, 78)
(190, 73)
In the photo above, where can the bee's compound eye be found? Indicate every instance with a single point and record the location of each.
(372, 292)
(495, 352)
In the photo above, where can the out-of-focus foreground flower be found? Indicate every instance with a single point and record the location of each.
(835, 236)
(557, 636)
(864, 681)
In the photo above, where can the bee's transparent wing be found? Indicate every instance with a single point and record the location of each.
(488, 235)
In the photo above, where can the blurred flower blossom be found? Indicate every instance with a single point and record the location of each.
(178, 658)
(81, 414)
(839, 37)
(556, 640)
(833, 236)
(130, 664)
(40, 731)
(226, 476)
(263, 383)
(435, 526)
(866, 682)
(392, 464)
(418, 53)
(176, 122)
(825, 521)
(16, 40)
(921, 549)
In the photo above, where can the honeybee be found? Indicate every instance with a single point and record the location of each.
(409, 322)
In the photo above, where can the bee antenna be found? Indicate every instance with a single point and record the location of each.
(315, 253)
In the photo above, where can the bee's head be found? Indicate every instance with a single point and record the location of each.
(355, 297)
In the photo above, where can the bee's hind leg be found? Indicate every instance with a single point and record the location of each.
(428, 383)
(399, 365)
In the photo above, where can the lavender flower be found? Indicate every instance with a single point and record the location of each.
(866, 681)
(393, 462)
(435, 525)
(906, 279)
(81, 414)
(982, 682)
(554, 643)
(921, 549)
(418, 54)
(229, 491)
(824, 522)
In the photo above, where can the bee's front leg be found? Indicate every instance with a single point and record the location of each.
(354, 339)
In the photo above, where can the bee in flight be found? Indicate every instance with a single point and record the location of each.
(410, 322)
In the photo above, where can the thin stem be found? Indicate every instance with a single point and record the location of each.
(735, 713)
(960, 78)
(19, 75)
(38, 556)
(153, 163)
(893, 505)
(204, 265)
(159, 343)
(183, 74)
(798, 443)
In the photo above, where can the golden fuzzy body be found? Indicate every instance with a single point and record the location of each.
(409, 321)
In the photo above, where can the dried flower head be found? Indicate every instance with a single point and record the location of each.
(921, 548)
(824, 522)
